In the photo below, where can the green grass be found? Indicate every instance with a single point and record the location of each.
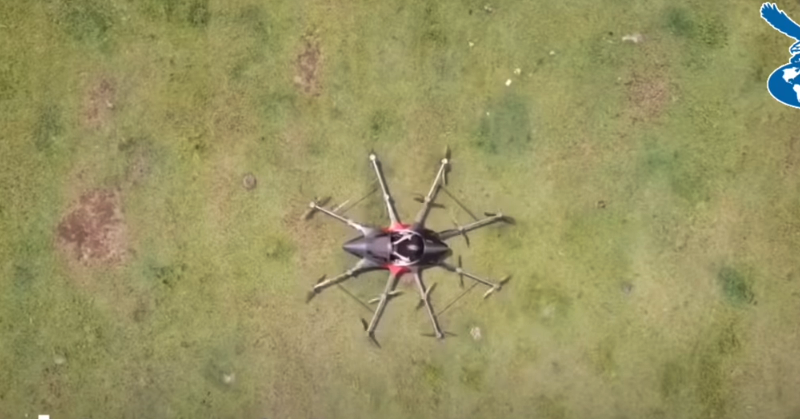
(674, 298)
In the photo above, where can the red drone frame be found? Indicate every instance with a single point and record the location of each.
(404, 248)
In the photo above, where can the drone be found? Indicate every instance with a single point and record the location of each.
(404, 248)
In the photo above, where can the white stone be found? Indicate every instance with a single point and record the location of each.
(228, 378)
(475, 332)
(634, 37)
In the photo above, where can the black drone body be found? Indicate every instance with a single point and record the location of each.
(404, 248)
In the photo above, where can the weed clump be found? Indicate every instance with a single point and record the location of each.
(708, 31)
(48, 127)
(735, 286)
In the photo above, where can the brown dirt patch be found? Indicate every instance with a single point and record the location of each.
(307, 66)
(99, 103)
(94, 229)
(53, 397)
(648, 94)
(648, 88)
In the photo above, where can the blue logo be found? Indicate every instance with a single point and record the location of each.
(784, 84)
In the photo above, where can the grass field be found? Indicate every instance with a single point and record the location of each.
(655, 188)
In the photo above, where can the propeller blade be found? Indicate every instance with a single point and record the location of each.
(395, 293)
(447, 168)
(364, 323)
(510, 220)
(322, 202)
(310, 295)
(374, 188)
(466, 238)
(436, 205)
(490, 292)
(430, 290)
(505, 280)
(322, 278)
(444, 332)
(420, 304)
(374, 341)
(307, 215)
(461, 275)
(340, 206)
(419, 199)
(374, 300)
(489, 214)
(433, 335)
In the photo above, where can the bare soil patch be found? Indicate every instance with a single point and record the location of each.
(99, 103)
(94, 229)
(648, 87)
(648, 94)
(307, 68)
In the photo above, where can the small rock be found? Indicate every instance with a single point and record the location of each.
(552, 53)
(635, 38)
(627, 287)
(59, 360)
(249, 181)
(488, 9)
(517, 71)
(475, 332)
(228, 378)
(471, 44)
(601, 204)
(508, 82)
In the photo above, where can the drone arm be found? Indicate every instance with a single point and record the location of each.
(428, 201)
(387, 197)
(425, 295)
(459, 271)
(361, 228)
(447, 234)
(383, 299)
(362, 266)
